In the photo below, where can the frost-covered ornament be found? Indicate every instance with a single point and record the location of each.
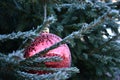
(45, 40)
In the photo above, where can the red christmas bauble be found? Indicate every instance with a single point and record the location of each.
(45, 40)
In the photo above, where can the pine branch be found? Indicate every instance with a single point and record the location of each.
(68, 70)
(2, 55)
(15, 57)
(77, 34)
(114, 5)
(55, 76)
(77, 5)
(17, 5)
(7, 64)
(28, 34)
(60, 74)
(105, 44)
(105, 59)
(41, 61)
(19, 34)
(17, 8)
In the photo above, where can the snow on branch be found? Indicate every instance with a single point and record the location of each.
(61, 74)
(77, 5)
(15, 57)
(68, 70)
(19, 34)
(30, 33)
(41, 60)
(77, 34)
(55, 76)
(115, 4)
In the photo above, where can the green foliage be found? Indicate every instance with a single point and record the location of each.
(95, 55)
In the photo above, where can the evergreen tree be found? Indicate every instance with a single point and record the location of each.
(82, 24)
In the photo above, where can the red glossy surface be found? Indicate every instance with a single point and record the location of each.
(46, 40)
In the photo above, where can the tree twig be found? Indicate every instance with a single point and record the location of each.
(19, 34)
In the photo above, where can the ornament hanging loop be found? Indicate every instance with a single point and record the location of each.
(45, 10)
(46, 27)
